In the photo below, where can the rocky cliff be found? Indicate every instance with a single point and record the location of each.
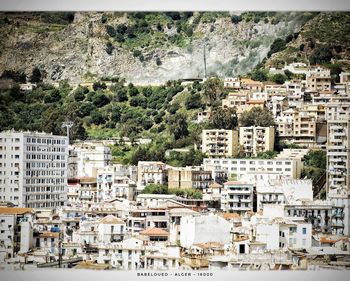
(80, 48)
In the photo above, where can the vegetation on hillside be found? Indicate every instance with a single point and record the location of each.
(189, 193)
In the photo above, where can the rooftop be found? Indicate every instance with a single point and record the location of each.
(15, 211)
(154, 232)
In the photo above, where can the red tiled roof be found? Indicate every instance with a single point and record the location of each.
(154, 232)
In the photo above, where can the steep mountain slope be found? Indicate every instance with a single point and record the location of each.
(321, 39)
(142, 47)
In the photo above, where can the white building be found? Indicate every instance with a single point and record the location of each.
(16, 233)
(202, 229)
(87, 157)
(151, 172)
(237, 168)
(113, 183)
(281, 234)
(237, 197)
(33, 169)
(338, 144)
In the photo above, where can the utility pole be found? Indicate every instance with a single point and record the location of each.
(60, 250)
(68, 125)
(205, 59)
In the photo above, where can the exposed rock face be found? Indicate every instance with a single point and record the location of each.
(77, 51)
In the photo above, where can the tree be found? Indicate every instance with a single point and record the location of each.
(16, 76)
(147, 92)
(224, 119)
(36, 75)
(279, 78)
(97, 118)
(236, 19)
(178, 126)
(316, 158)
(213, 89)
(155, 189)
(257, 117)
(320, 55)
(99, 86)
(55, 96)
(133, 91)
(277, 45)
(109, 48)
(100, 100)
(80, 92)
(158, 61)
(259, 75)
(121, 95)
(193, 101)
(110, 30)
(172, 108)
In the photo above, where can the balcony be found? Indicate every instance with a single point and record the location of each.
(337, 225)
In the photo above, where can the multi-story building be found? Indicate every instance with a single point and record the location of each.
(277, 105)
(237, 197)
(218, 143)
(289, 168)
(87, 190)
(16, 234)
(87, 157)
(318, 79)
(113, 183)
(232, 83)
(297, 126)
(151, 172)
(304, 130)
(338, 160)
(254, 139)
(33, 169)
(189, 177)
(238, 100)
(284, 234)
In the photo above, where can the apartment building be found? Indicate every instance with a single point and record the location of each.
(87, 157)
(318, 79)
(304, 129)
(255, 139)
(283, 234)
(237, 197)
(33, 169)
(143, 218)
(189, 177)
(197, 229)
(297, 126)
(151, 172)
(87, 190)
(338, 158)
(237, 99)
(220, 143)
(251, 85)
(238, 168)
(277, 105)
(16, 233)
(113, 183)
(232, 83)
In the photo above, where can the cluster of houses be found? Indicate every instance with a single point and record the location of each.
(69, 206)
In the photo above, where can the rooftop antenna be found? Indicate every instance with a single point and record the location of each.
(205, 59)
(68, 125)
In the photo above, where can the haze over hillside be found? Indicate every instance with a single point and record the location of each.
(142, 47)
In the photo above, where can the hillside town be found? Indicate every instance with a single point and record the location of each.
(66, 204)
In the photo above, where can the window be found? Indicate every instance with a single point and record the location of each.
(304, 230)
